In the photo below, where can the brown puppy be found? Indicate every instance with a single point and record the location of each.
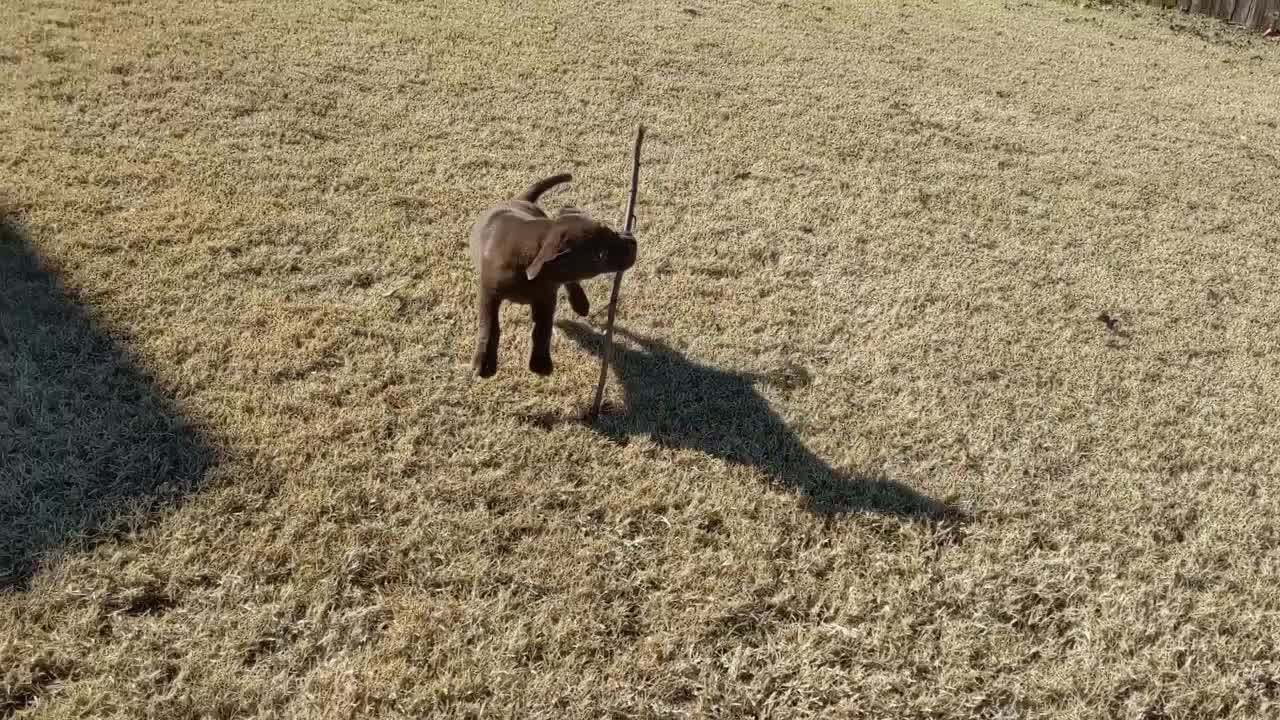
(524, 256)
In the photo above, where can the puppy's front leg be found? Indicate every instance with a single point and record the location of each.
(544, 315)
(485, 361)
(578, 299)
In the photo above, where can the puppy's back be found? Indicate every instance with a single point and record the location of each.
(506, 231)
(508, 227)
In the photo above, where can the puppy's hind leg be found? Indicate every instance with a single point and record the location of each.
(578, 299)
(544, 315)
(485, 361)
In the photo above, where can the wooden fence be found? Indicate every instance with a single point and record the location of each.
(1255, 14)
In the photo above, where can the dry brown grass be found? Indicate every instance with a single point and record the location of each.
(246, 470)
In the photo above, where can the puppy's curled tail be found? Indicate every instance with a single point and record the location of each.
(534, 191)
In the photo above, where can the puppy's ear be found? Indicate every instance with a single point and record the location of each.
(552, 248)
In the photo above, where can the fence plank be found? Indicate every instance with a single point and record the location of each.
(1253, 14)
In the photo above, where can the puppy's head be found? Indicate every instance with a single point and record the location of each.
(577, 247)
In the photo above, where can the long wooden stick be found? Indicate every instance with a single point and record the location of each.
(628, 224)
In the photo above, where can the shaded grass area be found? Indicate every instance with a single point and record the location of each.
(678, 403)
(90, 444)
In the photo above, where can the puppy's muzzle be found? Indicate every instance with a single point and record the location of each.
(623, 255)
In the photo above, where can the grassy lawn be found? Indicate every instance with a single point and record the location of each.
(947, 382)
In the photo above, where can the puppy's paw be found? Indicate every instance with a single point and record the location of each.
(540, 364)
(485, 367)
(578, 299)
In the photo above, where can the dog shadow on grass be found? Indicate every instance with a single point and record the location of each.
(88, 444)
(680, 403)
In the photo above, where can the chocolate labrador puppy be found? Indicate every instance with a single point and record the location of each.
(524, 256)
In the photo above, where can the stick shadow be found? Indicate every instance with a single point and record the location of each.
(680, 403)
(88, 444)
